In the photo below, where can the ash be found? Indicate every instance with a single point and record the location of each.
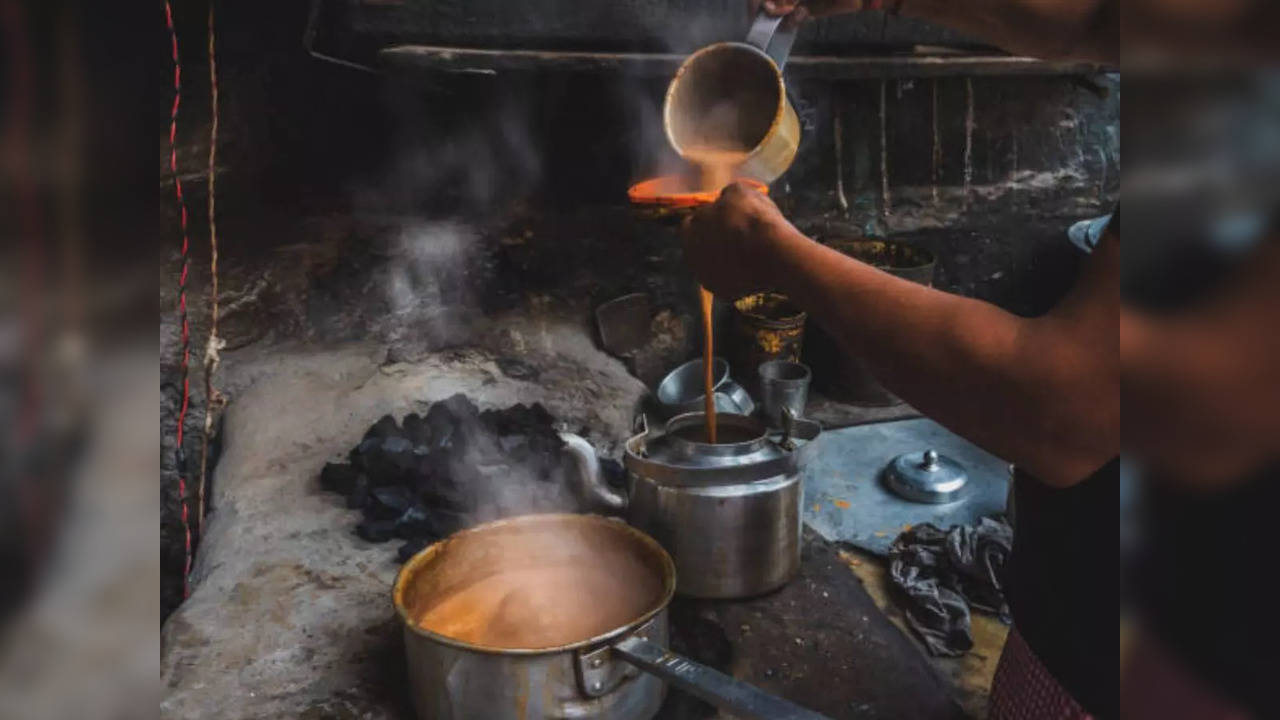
(426, 477)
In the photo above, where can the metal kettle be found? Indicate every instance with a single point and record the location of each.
(728, 513)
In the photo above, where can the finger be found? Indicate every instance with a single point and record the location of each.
(779, 7)
(796, 18)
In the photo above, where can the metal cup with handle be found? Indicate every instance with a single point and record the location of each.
(732, 96)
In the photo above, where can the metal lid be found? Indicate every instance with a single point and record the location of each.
(926, 477)
(747, 451)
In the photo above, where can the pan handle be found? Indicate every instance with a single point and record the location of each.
(771, 38)
(725, 692)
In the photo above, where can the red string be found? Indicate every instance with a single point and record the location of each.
(182, 296)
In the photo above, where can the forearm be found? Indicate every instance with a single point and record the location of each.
(1012, 385)
(1055, 29)
(1202, 388)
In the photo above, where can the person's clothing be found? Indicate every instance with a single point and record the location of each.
(1202, 578)
(1024, 689)
(1062, 582)
(1205, 584)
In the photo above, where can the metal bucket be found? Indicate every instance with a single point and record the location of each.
(842, 376)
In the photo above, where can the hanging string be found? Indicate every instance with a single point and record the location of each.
(180, 455)
(213, 399)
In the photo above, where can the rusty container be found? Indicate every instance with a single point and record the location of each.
(837, 374)
(766, 326)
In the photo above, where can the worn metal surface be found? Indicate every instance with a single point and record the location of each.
(846, 499)
(819, 641)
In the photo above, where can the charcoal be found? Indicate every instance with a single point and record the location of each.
(360, 454)
(339, 477)
(411, 548)
(385, 427)
(389, 461)
(422, 461)
(415, 522)
(399, 453)
(420, 480)
(416, 429)
(376, 531)
(389, 502)
(443, 493)
(359, 496)
(448, 422)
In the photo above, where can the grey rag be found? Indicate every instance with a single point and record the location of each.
(942, 573)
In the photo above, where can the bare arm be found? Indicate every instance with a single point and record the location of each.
(1201, 388)
(1042, 393)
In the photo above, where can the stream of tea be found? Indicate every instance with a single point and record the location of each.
(715, 168)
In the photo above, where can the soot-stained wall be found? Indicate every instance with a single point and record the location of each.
(985, 171)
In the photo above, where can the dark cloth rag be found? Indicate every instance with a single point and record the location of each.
(942, 573)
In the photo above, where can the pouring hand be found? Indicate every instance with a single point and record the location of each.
(727, 243)
(797, 11)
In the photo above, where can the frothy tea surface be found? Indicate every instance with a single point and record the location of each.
(540, 584)
(538, 607)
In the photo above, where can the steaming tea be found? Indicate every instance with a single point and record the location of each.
(544, 607)
(726, 434)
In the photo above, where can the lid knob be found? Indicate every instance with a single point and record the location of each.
(930, 460)
(926, 477)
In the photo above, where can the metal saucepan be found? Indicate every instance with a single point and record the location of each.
(617, 672)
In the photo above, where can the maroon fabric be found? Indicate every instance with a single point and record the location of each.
(1023, 689)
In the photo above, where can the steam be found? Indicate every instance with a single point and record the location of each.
(427, 288)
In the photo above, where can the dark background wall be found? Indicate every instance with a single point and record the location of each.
(315, 161)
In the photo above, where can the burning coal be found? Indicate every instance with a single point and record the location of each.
(428, 476)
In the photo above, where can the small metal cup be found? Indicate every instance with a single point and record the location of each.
(783, 384)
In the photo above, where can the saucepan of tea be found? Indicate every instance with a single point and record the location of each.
(551, 616)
